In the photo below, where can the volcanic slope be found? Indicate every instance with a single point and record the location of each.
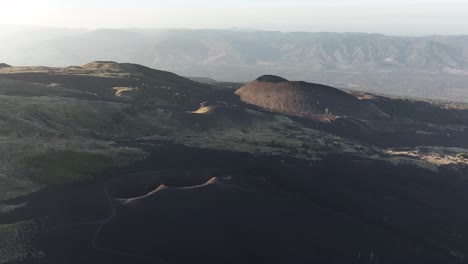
(105, 79)
(305, 99)
(226, 167)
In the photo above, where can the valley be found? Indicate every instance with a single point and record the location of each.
(425, 67)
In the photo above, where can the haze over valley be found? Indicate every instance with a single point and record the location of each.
(432, 67)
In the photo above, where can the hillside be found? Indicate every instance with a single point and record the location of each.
(104, 79)
(305, 99)
(119, 163)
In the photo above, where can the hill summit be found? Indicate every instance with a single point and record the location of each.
(111, 66)
(300, 98)
(271, 79)
(4, 65)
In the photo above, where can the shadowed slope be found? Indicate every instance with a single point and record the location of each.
(104, 78)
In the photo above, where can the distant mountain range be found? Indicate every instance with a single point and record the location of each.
(429, 67)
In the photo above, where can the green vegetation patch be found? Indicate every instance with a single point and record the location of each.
(18, 88)
(462, 156)
(67, 166)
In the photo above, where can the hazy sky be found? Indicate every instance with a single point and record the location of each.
(398, 17)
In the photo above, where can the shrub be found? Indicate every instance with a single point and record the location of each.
(336, 143)
(462, 156)
(274, 144)
(67, 166)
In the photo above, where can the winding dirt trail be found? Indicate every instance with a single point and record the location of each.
(102, 223)
(113, 207)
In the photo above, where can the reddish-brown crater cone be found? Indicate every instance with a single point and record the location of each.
(305, 99)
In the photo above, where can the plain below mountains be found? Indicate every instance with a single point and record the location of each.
(428, 67)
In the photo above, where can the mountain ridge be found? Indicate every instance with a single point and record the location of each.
(404, 66)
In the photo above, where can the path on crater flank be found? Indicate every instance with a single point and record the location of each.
(102, 223)
(114, 210)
